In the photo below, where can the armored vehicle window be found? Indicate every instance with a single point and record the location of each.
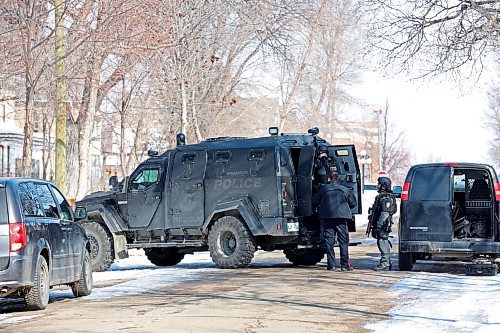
(145, 178)
(29, 200)
(48, 203)
(63, 204)
(256, 155)
(431, 184)
(222, 156)
(342, 152)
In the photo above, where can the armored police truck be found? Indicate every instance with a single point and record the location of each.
(226, 195)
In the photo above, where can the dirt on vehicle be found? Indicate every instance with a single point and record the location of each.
(269, 296)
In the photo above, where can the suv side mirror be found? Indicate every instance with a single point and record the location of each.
(397, 190)
(80, 213)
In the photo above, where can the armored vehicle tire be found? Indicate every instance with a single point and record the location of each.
(306, 257)
(405, 261)
(83, 287)
(230, 243)
(37, 297)
(100, 245)
(163, 257)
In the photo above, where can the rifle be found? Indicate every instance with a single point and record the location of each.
(370, 221)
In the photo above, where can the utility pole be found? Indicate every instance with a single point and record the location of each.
(61, 141)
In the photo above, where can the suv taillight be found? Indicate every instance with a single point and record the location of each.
(17, 233)
(406, 190)
(497, 191)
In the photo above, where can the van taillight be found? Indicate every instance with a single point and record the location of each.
(497, 191)
(406, 190)
(17, 233)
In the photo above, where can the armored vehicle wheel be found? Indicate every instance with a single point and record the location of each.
(230, 243)
(100, 245)
(405, 261)
(83, 287)
(163, 257)
(307, 257)
(37, 297)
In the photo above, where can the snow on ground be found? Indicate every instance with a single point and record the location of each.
(142, 277)
(431, 302)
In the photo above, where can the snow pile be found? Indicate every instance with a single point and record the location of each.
(430, 302)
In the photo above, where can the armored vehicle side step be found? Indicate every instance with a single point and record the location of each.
(170, 244)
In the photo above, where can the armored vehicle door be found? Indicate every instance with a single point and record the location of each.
(348, 169)
(427, 205)
(187, 190)
(144, 194)
(303, 181)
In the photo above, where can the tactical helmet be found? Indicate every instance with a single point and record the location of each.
(385, 184)
(322, 148)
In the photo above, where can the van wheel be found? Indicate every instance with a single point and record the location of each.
(100, 246)
(306, 257)
(405, 261)
(163, 257)
(230, 243)
(83, 287)
(37, 297)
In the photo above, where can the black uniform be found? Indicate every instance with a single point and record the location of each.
(335, 202)
(323, 166)
(383, 208)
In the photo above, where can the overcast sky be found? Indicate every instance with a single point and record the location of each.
(442, 121)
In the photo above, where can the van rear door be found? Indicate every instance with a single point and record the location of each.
(4, 230)
(348, 169)
(427, 210)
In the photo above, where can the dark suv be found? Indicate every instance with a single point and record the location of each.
(41, 243)
(449, 210)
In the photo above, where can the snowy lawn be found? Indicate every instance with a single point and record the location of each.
(432, 302)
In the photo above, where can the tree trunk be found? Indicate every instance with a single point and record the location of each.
(84, 126)
(61, 97)
(184, 115)
(27, 161)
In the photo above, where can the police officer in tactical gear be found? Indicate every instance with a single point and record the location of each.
(383, 208)
(323, 165)
(335, 202)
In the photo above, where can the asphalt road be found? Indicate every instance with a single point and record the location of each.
(270, 296)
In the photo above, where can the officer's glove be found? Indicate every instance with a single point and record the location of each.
(376, 233)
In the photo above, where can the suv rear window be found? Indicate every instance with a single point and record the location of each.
(4, 217)
(431, 184)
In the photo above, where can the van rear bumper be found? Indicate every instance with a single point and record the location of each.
(472, 246)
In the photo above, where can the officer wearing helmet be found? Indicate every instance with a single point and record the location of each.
(323, 165)
(383, 208)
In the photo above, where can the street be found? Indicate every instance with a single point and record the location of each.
(269, 296)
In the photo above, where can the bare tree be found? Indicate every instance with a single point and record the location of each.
(26, 38)
(395, 154)
(435, 36)
(492, 123)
